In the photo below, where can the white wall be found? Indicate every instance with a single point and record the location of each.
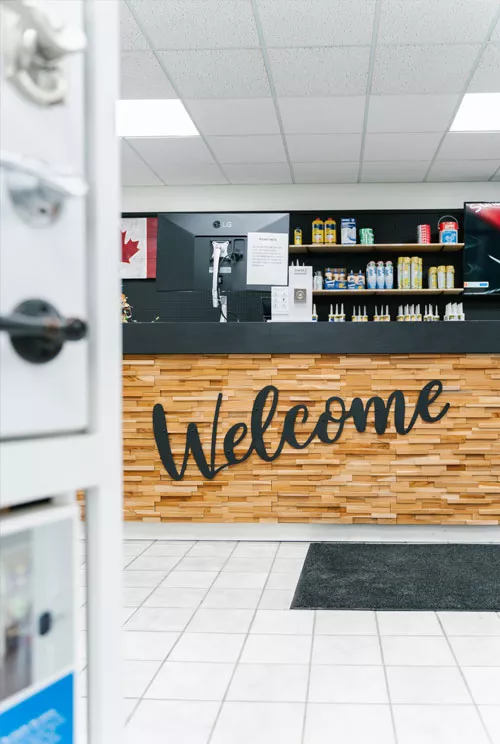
(298, 197)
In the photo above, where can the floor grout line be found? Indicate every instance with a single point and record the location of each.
(386, 677)
(313, 635)
(155, 586)
(476, 706)
(181, 634)
(238, 664)
(242, 648)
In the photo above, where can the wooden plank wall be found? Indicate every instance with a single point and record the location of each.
(441, 473)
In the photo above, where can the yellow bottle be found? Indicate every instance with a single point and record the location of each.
(297, 236)
(318, 231)
(330, 231)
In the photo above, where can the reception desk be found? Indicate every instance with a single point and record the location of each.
(395, 423)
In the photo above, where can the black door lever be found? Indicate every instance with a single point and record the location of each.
(38, 331)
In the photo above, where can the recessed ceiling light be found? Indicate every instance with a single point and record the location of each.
(153, 118)
(478, 112)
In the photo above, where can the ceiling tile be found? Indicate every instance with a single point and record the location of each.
(314, 148)
(241, 173)
(320, 72)
(463, 170)
(295, 23)
(431, 113)
(322, 115)
(402, 171)
(131, 38)
(435, 22)
(401, 146)
(422, 69)
(487, 75)
(233, 73)
(134, 172)
(197, 24)
(162, 152)
(142, 77)
(261, 148)
(326, 172)
(470, 146)
(192, 174)
(234, 116)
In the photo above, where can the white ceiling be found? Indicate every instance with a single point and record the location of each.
(311, 91)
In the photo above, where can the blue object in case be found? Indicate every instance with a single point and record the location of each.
(46, 716)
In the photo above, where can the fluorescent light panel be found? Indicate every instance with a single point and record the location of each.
(153, 118)
(478, 112)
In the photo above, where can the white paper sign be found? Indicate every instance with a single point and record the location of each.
(267, 258)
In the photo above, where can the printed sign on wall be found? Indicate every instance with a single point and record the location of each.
(267, 258)
(139, 239)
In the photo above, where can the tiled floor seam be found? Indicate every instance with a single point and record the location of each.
(391, 709)
(214, 726)
(304, 722)
(464, 678)
(151, 542)
(181, 634)
(156, 585)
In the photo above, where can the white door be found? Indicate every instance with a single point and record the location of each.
(43, 380)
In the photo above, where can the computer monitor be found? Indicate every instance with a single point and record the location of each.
(184, 257)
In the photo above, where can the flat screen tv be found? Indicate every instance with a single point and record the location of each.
(482, 248)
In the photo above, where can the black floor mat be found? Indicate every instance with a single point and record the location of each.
(387, 576)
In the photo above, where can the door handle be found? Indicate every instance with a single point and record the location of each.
(37, 41)
(38, 331)
(37, 191)
(65, 185)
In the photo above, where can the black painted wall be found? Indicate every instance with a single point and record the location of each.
(390, 226)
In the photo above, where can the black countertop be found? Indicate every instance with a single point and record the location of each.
(469, 337)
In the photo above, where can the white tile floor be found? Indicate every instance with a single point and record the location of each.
(213, 655)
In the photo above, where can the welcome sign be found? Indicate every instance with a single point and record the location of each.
(328, 428)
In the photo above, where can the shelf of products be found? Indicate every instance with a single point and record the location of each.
(368, 248)
(391, 292)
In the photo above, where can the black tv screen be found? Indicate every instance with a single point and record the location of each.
(482, 248)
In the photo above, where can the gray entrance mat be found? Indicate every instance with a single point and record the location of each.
(390, 576)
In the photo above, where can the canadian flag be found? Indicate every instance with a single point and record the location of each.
(139, 237)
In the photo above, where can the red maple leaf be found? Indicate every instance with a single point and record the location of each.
(129, 248)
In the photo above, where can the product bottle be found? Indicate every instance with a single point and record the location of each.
(331, 317)
(297, 236)
(330, 231)
(314, 315)
(318, 231)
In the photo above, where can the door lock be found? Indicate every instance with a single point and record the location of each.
(35, 43)
(38, 331)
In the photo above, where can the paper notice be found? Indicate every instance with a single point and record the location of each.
(267, 258)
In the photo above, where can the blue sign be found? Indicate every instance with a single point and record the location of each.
(46, 716)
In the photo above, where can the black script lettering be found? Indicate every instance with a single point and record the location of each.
(359, 413)
(259, 424)
(193, 444)
(289, 427)
(258, 427)
(231, 441)
(321, 429)
(425, 400)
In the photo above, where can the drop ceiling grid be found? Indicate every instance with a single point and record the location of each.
(490, 31)
(384, 84)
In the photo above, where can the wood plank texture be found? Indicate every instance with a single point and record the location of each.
(441, 473)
